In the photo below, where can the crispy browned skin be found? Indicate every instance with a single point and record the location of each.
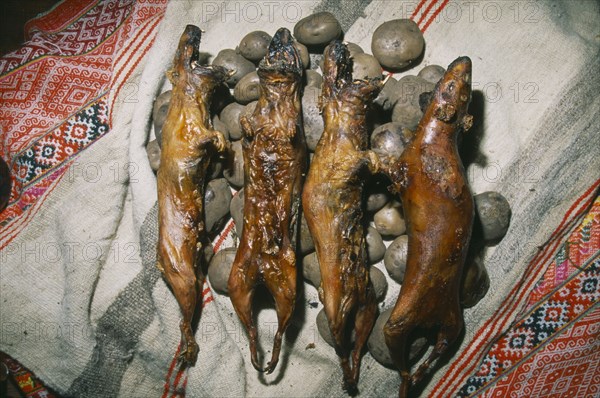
(188, 143)
(438, 207)
(332, 203)
(274, 162)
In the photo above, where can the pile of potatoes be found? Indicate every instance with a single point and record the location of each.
(396, 45)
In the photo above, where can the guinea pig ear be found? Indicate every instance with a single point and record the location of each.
(444, 112)
(467, 122)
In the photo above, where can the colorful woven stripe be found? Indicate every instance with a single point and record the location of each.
(562, 308)
(58, 91)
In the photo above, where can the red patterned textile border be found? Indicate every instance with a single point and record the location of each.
(54, 101)
(557, 319)
(29, 385)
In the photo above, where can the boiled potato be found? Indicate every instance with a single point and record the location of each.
(389, 221)
(379, 349)
(475, 283)
(310, 269)
(389, 95)
(397, 43)
(254, 45)
(317, 29)
(395, 258)
(390, 139)
(159, 113)
(432, 73)
(303, 52)
(354, 49)
(231, 60)
(220, 126)
(247, 89)
(494, 213)
(365, 66)
(220, 268)
(379, 282)
(306, 244)
(230, 116)
(153, 153)
(217, 198)
(234, 173)
(375, 246)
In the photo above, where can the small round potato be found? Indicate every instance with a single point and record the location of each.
(365, 66)
(377, 193)
(389, 221)
(475, 283)
(389, 95)
(379, 349)
(247, 89)
(323, 327)
(234, 61)
(377, 200)
(407, 110)
(397, 43)
(379, 282)
(220, 126)
(153, 152)
(494, 213)
(313, 122)
(325, 332)
(217, 198)
(159, 113)
(317, 29)
(215, 168)
(354, 49)
(310, 269)
(407, 115)
(220, 268)
(234, 172)
(230, 115)
(411, 87)
(248, 111)
(390, 139)
(432, 73)
(313, 78)
(395, 258)
(236, 209)
(303, 52)
(375, 246)
(254, 45)
(306, 244)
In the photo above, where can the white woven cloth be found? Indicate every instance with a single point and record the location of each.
(536, 79)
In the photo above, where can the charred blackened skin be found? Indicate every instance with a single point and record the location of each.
(274, 162)
(188, 144)
(438, 208)
(332, 203)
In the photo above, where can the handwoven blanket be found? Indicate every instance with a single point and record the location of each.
(83, 307)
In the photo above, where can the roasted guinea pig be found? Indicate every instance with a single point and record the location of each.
(274, 162)
(188, 144)
(332, 204)
(438, 208)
